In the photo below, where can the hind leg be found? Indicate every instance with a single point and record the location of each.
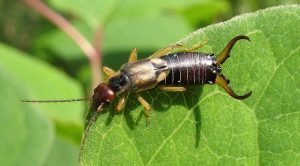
(165, 51)
(172, 88)
(195, 47)
(169, 49)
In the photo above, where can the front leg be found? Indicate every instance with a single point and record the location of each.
(133, 56)
(121, 102)
(108, 71)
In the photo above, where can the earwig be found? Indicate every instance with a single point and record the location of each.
(165, 70)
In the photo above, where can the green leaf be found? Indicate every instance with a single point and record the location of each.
(91, 12)
(206, 12)
(126, 29)
(63, 153)
(101, 11)
(51, 42)
(132, 21)
(205, 126)
(26, 134)
(40, 81)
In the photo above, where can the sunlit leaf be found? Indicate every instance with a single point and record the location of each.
(146, 25)
(63, 153)
(205, 126)
(41, 81)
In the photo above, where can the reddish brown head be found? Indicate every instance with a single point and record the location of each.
(103, 95)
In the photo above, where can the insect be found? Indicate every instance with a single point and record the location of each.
(165, 70)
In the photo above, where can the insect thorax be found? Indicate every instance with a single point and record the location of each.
(119, 83)
(145, 74)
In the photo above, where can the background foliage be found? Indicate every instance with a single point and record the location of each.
(39, 61)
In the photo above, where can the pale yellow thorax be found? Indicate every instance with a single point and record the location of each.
(145, 74)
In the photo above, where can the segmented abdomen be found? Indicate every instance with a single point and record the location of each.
(190, 68)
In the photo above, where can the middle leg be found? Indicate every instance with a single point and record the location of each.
(146, 106)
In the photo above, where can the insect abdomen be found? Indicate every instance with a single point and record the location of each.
(191, 68)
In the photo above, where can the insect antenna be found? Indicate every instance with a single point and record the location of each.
(56, 101)
(92, 120)
(94, 117)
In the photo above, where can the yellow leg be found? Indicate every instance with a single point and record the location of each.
(172, 88)
(165, 51)
(169, 49)
(133, 56)
(121, 102)
(195, 47)
(146, 106)
(108, 71)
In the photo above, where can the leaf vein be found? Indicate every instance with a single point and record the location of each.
(176, 129)
(272, 76)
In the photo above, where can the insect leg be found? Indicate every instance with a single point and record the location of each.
(221, 58)
(165, 51)
(121, 102)
(133, 56)
(108, 71)
(220, 79)
(172, 88)
(195, 47)
(145, 104)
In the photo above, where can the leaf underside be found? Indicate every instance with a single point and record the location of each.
(206, 126)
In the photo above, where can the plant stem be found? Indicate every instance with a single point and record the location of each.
(88, 49)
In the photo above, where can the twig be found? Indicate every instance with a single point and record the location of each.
(91, 53)
(97, 44)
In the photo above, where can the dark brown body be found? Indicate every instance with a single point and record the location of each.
(188, 68)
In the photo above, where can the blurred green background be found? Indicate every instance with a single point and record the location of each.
(39, 61)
